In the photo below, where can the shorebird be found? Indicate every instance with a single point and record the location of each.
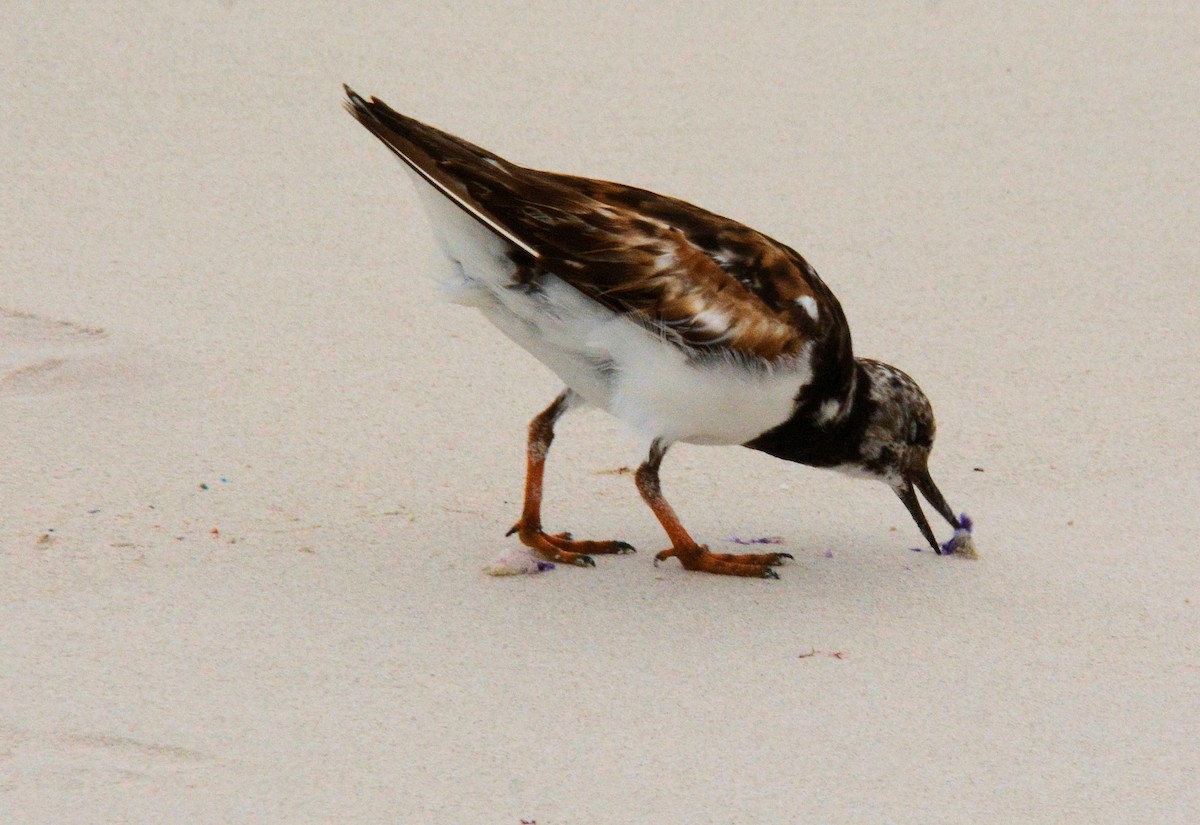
(687, 326)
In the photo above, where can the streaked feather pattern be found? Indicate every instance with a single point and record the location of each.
(707, 283)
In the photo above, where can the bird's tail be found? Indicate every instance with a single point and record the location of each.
(390, 126)
(445, 161)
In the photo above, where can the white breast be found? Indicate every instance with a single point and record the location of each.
(663, 394)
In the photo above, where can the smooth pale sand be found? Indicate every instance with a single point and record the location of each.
(209, 274)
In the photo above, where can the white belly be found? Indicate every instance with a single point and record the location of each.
(611, 362)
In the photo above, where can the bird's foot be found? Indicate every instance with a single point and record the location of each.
(562, 548)
(752, 565)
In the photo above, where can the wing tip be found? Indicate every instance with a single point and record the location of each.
(356, 105)
(392, 129)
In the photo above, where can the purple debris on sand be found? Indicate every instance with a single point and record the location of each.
(961, 535)
(915, 549)
(543, 566)
(764, 540)
(829, 554)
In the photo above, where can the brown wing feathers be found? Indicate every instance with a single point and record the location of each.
(700, 279)
(428, 151)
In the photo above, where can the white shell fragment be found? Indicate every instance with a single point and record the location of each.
(516, 561)
(961, 543)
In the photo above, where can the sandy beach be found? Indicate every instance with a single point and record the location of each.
(252, 467)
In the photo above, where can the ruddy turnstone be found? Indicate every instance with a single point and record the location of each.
(685, 325)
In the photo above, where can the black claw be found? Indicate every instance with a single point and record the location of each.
(585, 561)
(786, 556)
(625, 548)
(770, 574)
(512, 529)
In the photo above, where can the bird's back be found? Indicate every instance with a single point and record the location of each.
(710, 286)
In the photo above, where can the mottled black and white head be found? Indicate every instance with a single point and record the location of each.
(895, 444)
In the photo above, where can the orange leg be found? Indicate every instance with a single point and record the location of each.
(557, 547)
(691, 555)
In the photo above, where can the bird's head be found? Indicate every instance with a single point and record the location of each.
(895, 445)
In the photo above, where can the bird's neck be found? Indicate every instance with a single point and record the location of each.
(827, 426)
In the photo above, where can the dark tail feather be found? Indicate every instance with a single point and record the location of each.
(354, 103)
(429, 151)
(435, 142)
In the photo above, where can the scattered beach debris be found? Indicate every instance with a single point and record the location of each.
(832, 654)
(400, 510)
(516, 561)
(44, 538)
(203, 486)
(215, 532)
(763, 540)
(979, 469)
(828, 554)
(615, 471)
